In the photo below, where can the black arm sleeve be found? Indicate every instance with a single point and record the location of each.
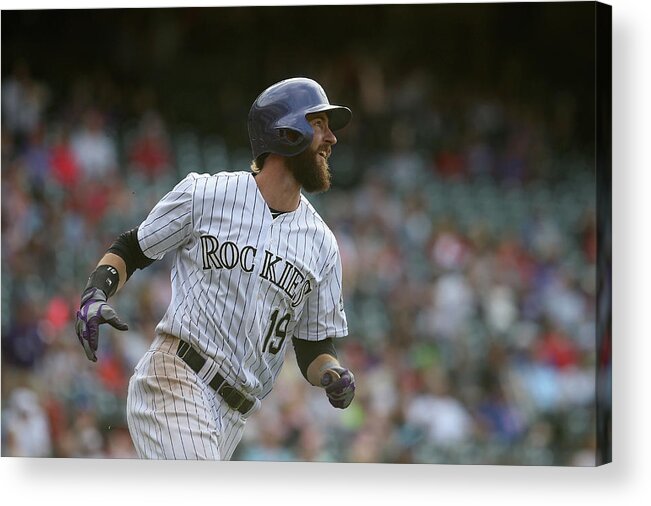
(307, 351)
(128, 248)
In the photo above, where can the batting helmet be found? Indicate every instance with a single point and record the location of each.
(281, 108)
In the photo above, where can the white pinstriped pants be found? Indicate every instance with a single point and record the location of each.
(173, 414)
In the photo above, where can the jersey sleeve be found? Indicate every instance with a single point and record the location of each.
(324, 315)
(169, 223)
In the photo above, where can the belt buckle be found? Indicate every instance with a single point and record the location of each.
(227, 392)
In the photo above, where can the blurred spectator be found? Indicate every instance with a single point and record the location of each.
(450, 164)
(65, 167)
(25, 426)
(453, 305)
(23, 103)
(443, 419)
(119, 445)
(23, 344)
(83, 438)
(271, 444)
(555, 349)
(150, 152)
(93, 148)
(497, 414)
(36, 158)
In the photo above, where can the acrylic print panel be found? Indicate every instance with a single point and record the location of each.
(470, 202)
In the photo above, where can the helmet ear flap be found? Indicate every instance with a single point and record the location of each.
(290, 136)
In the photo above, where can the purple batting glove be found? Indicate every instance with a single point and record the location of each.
(339, 387)
(94, 311)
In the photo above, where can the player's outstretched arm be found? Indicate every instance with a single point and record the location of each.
(94, 310)
(113, 270)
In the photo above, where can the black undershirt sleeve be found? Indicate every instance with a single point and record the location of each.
(127, 247)
(307, 351)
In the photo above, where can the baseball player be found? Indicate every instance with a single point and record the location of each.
(254, 267)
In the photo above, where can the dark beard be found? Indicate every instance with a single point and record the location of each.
(310, 170)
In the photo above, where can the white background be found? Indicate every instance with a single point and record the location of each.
(626, 481)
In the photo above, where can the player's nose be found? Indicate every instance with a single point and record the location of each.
(330, 137)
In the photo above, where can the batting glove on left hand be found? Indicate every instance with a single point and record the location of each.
(93, 312)
(339, 387)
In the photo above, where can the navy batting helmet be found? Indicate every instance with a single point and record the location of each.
(281, 108)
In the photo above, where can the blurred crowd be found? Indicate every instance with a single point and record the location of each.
(468, 236)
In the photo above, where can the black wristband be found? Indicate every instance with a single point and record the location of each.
(106, 278)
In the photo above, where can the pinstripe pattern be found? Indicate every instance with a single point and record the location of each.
(243, 283)
(172, 413)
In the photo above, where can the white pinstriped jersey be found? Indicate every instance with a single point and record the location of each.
(244, 283)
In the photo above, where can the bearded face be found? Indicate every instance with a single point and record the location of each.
(310, 168)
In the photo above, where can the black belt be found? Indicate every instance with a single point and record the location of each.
(232, 397)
